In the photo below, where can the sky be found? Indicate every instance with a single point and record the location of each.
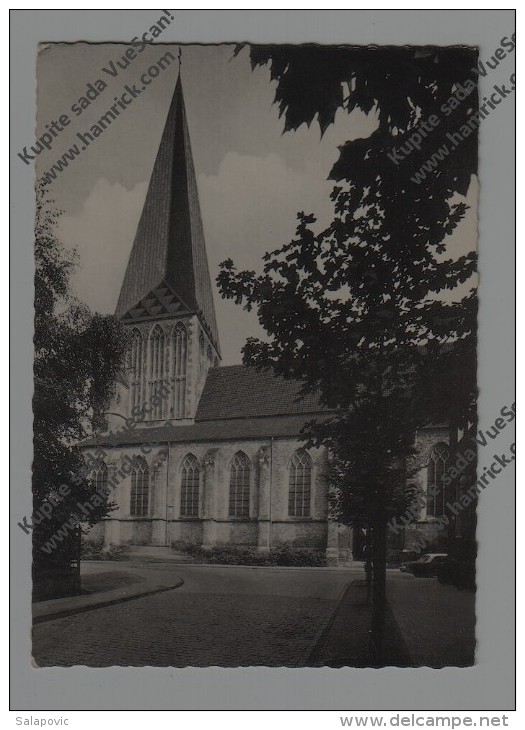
(252, 178)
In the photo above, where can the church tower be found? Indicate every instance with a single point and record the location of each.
(166, 297)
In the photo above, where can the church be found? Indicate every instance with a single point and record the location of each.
(196, 452)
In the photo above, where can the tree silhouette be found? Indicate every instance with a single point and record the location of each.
(78, 355)
(366, 312)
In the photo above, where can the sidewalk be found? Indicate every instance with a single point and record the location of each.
(437, 622)
(345, 643)
(105, 587)
(427, 625)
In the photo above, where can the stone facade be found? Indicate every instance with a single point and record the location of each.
(268, 523)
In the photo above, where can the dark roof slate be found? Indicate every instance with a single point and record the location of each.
(236, 391)
(235, 429)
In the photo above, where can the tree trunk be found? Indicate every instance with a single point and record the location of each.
(377, 631)
(368, 565)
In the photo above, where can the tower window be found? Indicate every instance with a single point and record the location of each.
(136, 367)
(158, 372)
(180, 347)
(300, 484)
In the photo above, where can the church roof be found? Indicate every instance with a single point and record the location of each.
(209, 431)
(240, 392)
(169, 252)
(237, 403)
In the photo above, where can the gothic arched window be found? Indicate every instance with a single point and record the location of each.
(300, 484)
(100, 479)
(189, 487)
(437, 465)
(180, 348)
(240, 471)
(158, 371)
(136, 365)
(139, 503)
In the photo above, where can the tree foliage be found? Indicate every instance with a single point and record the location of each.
(363, 311)
(401, 85)
(366, 311)
(77, 357)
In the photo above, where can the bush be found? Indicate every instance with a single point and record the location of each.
(97, 551)
(286, 555)
(283, 555)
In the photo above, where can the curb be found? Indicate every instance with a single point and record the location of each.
(102, 604)
(396, 637)
(325, 630)
(324, 568)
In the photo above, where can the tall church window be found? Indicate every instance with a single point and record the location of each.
(180, 348)
(189, 487)
(137, 369)
(300, 484)
(100, 479)
(437, 465)
(240, 471)
(158, 371)
(139, 504)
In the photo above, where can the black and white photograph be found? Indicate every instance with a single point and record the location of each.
(256, 432)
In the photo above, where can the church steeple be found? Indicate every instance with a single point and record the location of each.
(167, 273)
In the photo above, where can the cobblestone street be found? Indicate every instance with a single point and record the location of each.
(226, 616)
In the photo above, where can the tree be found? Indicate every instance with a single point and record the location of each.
(362, 312)
(403, 86)
(77, 357)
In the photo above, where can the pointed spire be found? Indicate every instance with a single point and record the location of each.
(169, 248)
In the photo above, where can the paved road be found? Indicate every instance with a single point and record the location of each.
(226, 616)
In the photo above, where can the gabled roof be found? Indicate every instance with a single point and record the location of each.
(169, 249)
(236, 391)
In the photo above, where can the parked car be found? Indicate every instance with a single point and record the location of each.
(426, 566)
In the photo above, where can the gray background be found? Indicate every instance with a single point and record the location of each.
(487, 686)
